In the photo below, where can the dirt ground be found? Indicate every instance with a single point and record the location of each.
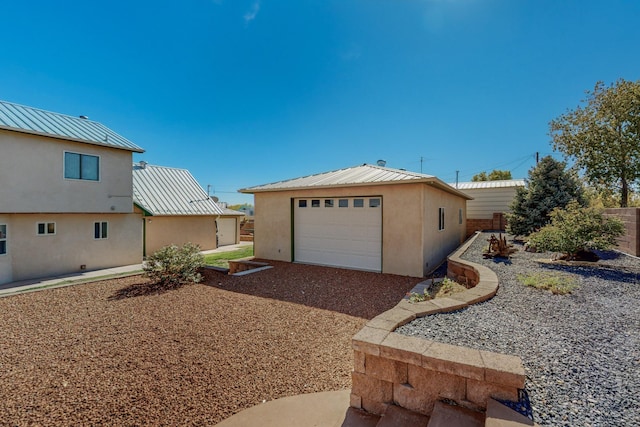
(117, 352)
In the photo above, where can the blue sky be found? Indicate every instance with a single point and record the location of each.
(246, 92)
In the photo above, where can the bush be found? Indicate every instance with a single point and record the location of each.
(173, 266)
(575, 229)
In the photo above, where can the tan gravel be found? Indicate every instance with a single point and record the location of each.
(117, 352)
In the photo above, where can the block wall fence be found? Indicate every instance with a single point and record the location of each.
(630, 242)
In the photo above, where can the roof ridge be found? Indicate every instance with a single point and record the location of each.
(49, 111)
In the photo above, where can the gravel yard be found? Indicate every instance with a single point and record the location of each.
(116, 353)
(581, 351)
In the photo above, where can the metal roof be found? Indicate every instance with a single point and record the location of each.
(473, 185)
(354, 176)
(169, 191)
(19, 118)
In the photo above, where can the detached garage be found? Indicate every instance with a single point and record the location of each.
(364, 217)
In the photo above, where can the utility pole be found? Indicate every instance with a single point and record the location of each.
(537, 157)
(421, 159)
(457, 172)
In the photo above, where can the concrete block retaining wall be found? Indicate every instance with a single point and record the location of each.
(414, 373)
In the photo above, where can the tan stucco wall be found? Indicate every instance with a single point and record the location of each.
(72, 245)
(403, 216)
(437, 243)
(32, 177)
(163, 231)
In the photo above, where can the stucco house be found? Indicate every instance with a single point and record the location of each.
(176, 210)
(65, 195)
(491, 200)
(364, 217)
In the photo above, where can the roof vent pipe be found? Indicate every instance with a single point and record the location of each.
(84, 117)
(382, 163)
(142, 164)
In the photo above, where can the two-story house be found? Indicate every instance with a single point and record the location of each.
(66, 200)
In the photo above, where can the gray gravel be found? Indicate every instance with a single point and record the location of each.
(581, 352)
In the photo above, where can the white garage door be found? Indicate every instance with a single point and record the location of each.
(226, 231)
(341, 232)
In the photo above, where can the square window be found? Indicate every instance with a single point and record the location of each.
(3, 247)
(328, 203)
(45, 228)
(374, 203)
(358, 203)
(100, 230)
(315, 203)
(302, 203)
(343, 203)
(81, 166)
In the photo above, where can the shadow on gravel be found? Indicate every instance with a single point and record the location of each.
(603, 272)
(352, 292)
(141, 290)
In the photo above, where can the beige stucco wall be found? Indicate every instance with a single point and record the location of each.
(32, 177)
(437, 243)
(33, 256)
(163, 231)
(404, 212)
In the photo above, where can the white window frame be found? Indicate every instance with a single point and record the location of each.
(3, 238)
(46, 225)
(440, 219)
(102, 228)
(64, 166)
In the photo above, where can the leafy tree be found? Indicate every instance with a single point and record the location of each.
(495, 175)
(575, 229)
(173, 266)
(603, 136)
(549, 186)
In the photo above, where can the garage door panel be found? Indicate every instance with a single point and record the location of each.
(344, 237)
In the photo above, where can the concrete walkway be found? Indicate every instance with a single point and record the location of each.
(23, 286)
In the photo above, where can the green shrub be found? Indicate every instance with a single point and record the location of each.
(173, 266)
(576, 228)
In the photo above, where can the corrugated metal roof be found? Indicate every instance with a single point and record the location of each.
(353, 176)
(31, 120)
(169, 191)
(473, 185)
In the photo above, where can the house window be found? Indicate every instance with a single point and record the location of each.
(358, 203)
(460, 216)
(328, 203)
(374, 203)
(3, 239)
(315, 203)
(343, 203)
(440, 218)
(45, 228)
(100, 230)
(81, 166)
(302, 203)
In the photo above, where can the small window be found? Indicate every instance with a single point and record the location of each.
(45, 228)
(358, 203)
(328, 203)
(302, 203)
(315, 203)
(100, 230)
(81, 166)
(374, 203)
(3, 239)
(343, 203)
(460, 216)
(440, 218)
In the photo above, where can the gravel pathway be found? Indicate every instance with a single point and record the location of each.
(581, 351)
(118, 353)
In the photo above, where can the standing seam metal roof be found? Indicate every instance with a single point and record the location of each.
(20, 118)
(169, 191)
(353, 176)
(503, 183)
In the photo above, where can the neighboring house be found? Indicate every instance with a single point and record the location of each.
(65, 195)
(176, 210)
(364, 217)
(491, 200)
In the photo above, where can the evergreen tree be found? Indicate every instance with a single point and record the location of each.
(549, 186)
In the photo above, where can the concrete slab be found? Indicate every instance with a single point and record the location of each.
(326, 409)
